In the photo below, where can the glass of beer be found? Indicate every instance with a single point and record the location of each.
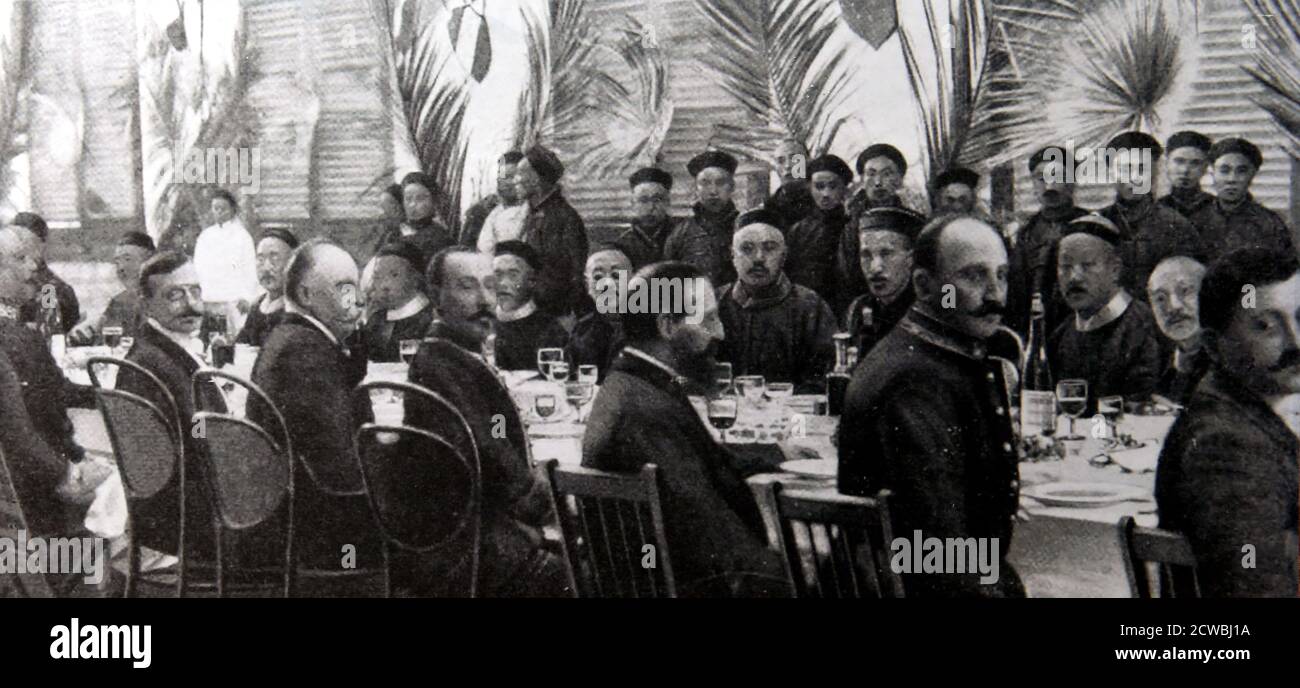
(1072, 395)
(112, 336)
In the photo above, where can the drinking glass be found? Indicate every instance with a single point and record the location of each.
(722, 377)
(546, 357)
(112, 336)
(559, 371)
(578, 394)
(544, 405)
(722, 412)
(126, 343)
(1072, 395)
(588, 373)
(752, 387)
(407, 349)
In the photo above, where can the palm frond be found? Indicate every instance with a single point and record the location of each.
(1277, 66)
(14, 80)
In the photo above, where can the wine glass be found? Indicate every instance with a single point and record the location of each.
(752, 387)
(112, 336)
(722, 412)
(722, 377)
(1072, 395)
(559, 371)
(588, 373)
(544, 405)
(407, 348)
(780, 391)
(578, 394)
(547, 357)
(126, 343)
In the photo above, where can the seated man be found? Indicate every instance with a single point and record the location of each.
(1227, 476)
(404, 312)
(641, 415)
(522, 328)
(515, 502)
(885, 237)
(123, 310)
(33, 310)
(273, 251)
(1111, 341)
(597, 336)
(1172, 291)
(778, 329)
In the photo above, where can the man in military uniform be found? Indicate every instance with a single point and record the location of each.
(643, 242)
(1234, 220)
(1188, 159)
(886, 236)
(813, 241)
(704, 238)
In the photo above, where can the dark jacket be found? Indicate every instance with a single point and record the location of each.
(1151, 233)
(792, 201)
(642, 415)
(1248, 225)
(848, 268)
(33, 468)
(69, 307)
(704, 240)
(556, 231)
(1178, 385)
(518, 340)
(926, 416)
(1227, 478)
(124, 310)
(258, 325)
(595, 340)
(868, 320)
(1187, 203)
(1032, 268)
(811, 246)
(642, 244)
(783, 334)
(475, 218)
(1122, 357)
(43, 387)
(383, 337)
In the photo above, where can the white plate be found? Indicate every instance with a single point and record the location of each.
(1137, 459)
(1083, 495)
(821, 469)
(556, 430)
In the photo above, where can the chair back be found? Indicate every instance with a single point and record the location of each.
(250, 473)
(444, 419)
(1169, 552)
(836, 546)
(206, 380)
(608, 521)
(146, 439)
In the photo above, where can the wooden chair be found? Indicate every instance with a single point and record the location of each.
(608, 524)
(1170, 553)
(836, 546)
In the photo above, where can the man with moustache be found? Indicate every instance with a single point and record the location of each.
(403, 312)
(926, 413)
(793, 200)
(1111, 342)
(554, 229)
(642, 415)
(505, 221)
(704, 238)
(1234, 220)
(643, 242)
(1227, 475)
(273, 251)
(597, 336)
(1033, 261)
(65, 297)
(515, 502)
(1188, 160)
(123, 310)
(954, 191)
(814, 240)
(882, 168)
(1173, 292)
(522, 328)
(778, 329)
(886, 236)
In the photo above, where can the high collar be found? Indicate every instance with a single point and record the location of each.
(725, 216)
(1060, 213)
(836, 216)
(291, 308)
(922, 324)
(654, 234)
(640, 364)
(864, 199)
(1108, 314)
(414, 305)
(268, 305)
(1135, 209)
(459, 335)
(420, 224)
(189, 343)
(1241, 205)
(547, 197)
(773, 293)
(517, 314)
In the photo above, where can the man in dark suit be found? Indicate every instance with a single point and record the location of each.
(1227, 474)
(273, 251)
(926, 414)
(815, 238)
(522, 326)
(554, 229)
(403, 311)
(597, 336)
(123, 310)
(35, 308)
(643, 241)
(642, 415)
(516, 504)
(1173, 292)
(309, 374)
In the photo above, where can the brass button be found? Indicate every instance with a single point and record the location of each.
(1000, 411)
(1006, 446)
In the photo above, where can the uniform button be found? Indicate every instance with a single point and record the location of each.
(1015, 484)
(1006, 446)
(1000, 411)
(990, 377)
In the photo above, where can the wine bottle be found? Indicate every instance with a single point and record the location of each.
(837, 380)
(1037, 393)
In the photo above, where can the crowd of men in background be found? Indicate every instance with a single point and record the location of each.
(937, 306)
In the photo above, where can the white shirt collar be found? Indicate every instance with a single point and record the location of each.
(189, 342)
(517, 314)
(415, 305)
(1107, 315)
(651, 360)
(269, 305)
(291, 307)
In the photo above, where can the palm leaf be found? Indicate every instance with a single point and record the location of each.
(14, 80)
(1277, 67)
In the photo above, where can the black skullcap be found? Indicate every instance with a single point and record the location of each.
(139, 239)
(831, 163)
(1136, 139)
(545, 163)
(957, 175)
(33, 222)
(759, 216)
(405, 250)
(1040, 156)
(1096, 225)
(889, 219)
(651, 174)
(394, 190)
(280, 233)
(885, 150)
(522, 250)
(713, 158)
(226, 196)
(1188, 139)
(1236, 145)
(425, 180)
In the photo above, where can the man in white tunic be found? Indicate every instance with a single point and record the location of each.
(226, 261)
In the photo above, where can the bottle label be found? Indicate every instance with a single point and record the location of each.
(1037, 412)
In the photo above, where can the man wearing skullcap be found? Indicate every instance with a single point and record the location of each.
(881, 168)
(273, 251)
(1111, 342)
(597, 336)
(34, 310)
(813, 241)
(954, 191)
(505, 219)
(1188, 153)
(226, 261)
(423, 227)
(392, 213)
(1234, 220)
(773, 327)
(1032, 268)
(403, 311)
(522, 328)
(1149, 231)
(704, 238)
(886, 236)
(123, 310)
(793, 199)
(643, 242)
(554, 229)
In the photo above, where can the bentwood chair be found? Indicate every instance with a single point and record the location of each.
(836, 546)
(607, 528)
(150, 453)
(1170, 553)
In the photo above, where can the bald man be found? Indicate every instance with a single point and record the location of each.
(775, 328)
(597, 337)
(1174, 294)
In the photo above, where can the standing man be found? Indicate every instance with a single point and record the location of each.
(814, 240)
(597, 337)
(882, 168)
(1227, 476)
(402, 312)
(226, 262)
(554, 229)
(887, 236)
(926, 414)
(792, 200)
(1188, 160)
(123, 310)
(954, 191)
(643, 242)
(1173, 291)
(47, 282)
(272, 253)
(505, 222)
(1234, 220)
(522, 328)
(778, 329)
(704, 238)
(391, 216)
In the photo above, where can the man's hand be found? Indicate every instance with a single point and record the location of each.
(82, 334)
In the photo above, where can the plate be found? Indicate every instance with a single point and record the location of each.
(556, 430)
(1083, 495)
(821, 469)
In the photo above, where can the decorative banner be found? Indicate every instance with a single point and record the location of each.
(874, 20)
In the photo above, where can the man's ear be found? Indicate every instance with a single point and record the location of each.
(924, 284)
(666, 326)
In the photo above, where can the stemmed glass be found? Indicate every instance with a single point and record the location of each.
(544, 405)
(779, 392)
(588, 373)
(548, 357)
(578, 394)
(407, 348)
(1072, 395)
(752, 387)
